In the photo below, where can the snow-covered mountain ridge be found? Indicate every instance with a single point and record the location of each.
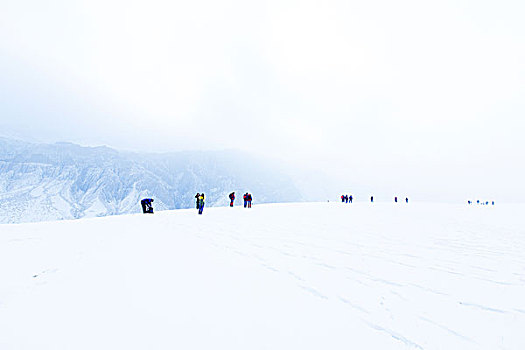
(65, 181)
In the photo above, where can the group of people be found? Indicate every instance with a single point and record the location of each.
(481, 203)
(395, 199)
(199, 200)
(147, 206)
(346, 198)
(247, 200)
(247, 197)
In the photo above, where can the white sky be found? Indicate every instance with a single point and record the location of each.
(420, 97)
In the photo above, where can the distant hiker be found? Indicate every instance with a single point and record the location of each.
(469, 202)
(200, 203)
(406, 199)
(197, 200)
(346, 198)
(395, 199)
(372, 199)
(245, 197)
(343, 198)
(232, 198)
(478, 201)
(147, 207)
(492, 202)
(249, 198)
(350, 198)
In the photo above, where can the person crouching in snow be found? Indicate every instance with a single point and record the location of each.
(147, 206)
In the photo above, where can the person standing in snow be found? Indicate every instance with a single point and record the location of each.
(406, 199)
(249, 197)
(200, 203)
(350, 198)
(197, 200)
(342, 198)
(395, 199)
(232, 198)
(372, 199)
(245, 197)
(346, 198)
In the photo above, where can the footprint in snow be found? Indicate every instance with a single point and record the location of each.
(45, 272)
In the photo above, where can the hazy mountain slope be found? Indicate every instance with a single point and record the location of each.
(63, 180)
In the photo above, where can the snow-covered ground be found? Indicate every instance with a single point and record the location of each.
(282, 276)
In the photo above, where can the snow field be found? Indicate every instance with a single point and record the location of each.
(280, 276)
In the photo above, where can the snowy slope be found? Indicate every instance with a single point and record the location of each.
(41, 182)
(281, 276)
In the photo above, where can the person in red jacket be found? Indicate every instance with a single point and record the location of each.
(232, 198)
(245, 197)
(249, 197)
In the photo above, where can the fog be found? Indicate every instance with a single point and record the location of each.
(415, 98)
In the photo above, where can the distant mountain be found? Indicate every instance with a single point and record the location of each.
(41, 182)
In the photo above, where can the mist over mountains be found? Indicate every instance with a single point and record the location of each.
(40, 182)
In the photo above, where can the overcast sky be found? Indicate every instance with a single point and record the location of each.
(420, 97)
